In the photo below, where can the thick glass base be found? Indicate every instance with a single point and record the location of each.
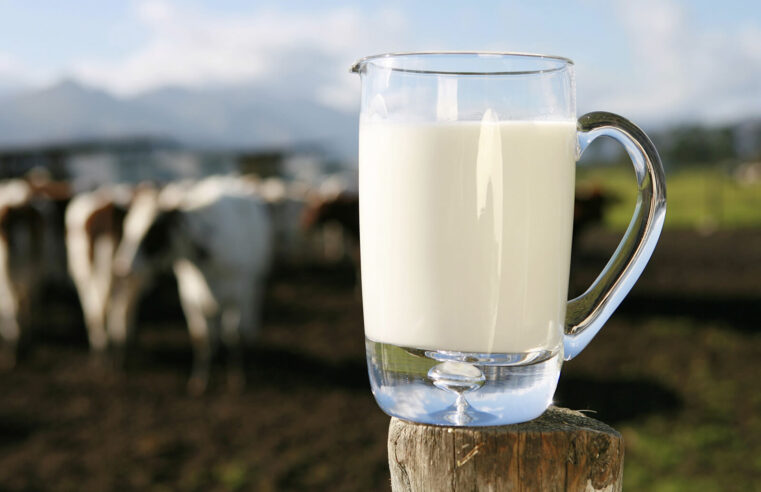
(462, 388)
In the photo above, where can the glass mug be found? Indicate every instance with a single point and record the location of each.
(466, 179)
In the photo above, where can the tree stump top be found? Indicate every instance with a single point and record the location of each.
(561, 450)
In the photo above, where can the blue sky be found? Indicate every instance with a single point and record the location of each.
(654, 60)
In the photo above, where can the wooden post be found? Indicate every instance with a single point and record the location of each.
(562, 450)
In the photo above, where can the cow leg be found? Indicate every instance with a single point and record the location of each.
(202, 315)
(93, 304)
(203, 339)
(96, 330)
(9, 325)
(24, 327)
(251, 301)
(95, 311)
(9, 329)
(231, 337)
(120, 324)
(118, 332)
(95, 322)
(96, 334)
(240, 324)
(15, 332)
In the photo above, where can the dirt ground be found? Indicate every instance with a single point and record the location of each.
(307, 420)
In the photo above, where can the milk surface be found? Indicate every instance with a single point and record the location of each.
(466, 233)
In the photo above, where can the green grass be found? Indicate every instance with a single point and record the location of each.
(711, 442)
(700, 198)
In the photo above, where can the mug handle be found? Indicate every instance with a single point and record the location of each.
(586, 314)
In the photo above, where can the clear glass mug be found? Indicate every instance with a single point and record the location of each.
(466, 179)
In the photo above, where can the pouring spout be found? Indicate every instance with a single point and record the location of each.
(360, 66)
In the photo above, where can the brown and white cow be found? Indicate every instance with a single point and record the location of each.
(216, 238)
(93, 231)
(22, 261)
(333, 213)
(337, 219)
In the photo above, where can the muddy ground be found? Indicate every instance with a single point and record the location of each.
(307, 420)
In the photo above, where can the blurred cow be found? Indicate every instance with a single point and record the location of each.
(337, 217)
(286, 201)
(589, 208)
(215, 236)
(51, 198)
(22, 261)
(93, 231)
(342, 209)
(333, 212)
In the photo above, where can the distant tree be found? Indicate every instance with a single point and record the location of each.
(699, 145)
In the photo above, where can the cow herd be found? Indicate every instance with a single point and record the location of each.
(219, 236)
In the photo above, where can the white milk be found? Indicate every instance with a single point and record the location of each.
(466, 233)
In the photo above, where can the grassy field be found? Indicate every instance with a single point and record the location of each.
(675, 370)
(681, 363)
(701, 198)
(711, 432)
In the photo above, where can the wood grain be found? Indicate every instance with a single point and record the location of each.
(562, 450)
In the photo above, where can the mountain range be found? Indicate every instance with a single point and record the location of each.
(247, 118)
(232, 117)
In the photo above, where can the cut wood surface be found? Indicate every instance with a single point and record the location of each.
(561, 450)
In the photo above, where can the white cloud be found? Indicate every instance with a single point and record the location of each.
(681, 70)
(10, 66)
(5, 62)
(303, 52)
(14, 75)
(676, 67)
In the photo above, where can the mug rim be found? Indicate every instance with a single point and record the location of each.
(564, 62)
